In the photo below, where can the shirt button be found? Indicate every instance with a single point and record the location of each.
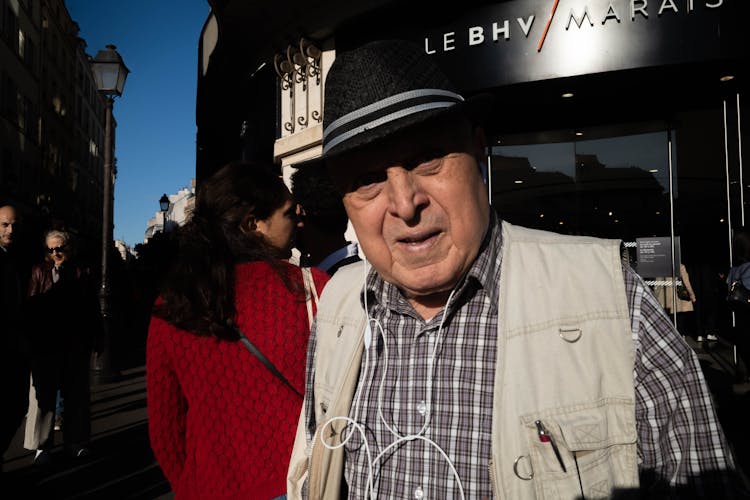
(419, 493)
(422, 409)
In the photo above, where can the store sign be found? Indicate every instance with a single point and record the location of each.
(526, 40)
(654, 256)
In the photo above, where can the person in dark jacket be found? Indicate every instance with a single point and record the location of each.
(321, 237)
(66, 324)
(14, 366)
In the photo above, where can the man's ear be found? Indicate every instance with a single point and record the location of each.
(480, 151)
(249, 224)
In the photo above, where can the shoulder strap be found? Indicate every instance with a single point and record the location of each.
(311, 294)
(267, 362)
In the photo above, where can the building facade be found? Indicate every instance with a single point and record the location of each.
(52, 121)
(612, 118)
(20, 100)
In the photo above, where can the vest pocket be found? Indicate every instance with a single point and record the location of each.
(596, 449)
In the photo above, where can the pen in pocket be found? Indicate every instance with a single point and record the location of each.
(546, 437)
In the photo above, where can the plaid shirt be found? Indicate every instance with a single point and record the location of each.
(680, 442)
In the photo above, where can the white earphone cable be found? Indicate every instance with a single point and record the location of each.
(369, 489)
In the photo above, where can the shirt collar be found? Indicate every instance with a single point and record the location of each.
(340, 254)
(486, 268)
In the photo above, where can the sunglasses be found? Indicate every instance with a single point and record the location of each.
(59, 249)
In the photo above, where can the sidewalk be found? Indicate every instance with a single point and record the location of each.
(121, 466)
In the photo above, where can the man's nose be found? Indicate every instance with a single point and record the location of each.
(405, 195)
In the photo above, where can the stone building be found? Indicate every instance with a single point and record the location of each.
(51, 122)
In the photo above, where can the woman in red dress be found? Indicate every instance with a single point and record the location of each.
(221, 423)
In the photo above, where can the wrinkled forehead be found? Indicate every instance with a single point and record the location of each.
(7, 215)
(449, 134)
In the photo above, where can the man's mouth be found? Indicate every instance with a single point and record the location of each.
(418, 239)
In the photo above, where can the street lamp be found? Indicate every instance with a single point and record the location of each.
(110, 73)
(164, 207)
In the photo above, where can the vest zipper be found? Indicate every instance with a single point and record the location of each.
(493, 482)
(313, 479)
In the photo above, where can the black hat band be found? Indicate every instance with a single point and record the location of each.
(384, 111)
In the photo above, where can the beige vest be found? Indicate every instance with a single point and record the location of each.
(565, 357)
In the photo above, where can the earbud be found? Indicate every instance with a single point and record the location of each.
(368, 335)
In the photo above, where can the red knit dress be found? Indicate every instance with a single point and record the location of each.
(221, 424)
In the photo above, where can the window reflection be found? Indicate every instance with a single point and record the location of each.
(612, 187)
(614, 181)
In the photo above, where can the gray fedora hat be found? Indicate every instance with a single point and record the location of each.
(384, 87)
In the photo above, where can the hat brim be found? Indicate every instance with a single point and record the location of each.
(317, 162)
(477, 108)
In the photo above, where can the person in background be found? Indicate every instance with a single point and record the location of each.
(472, 358)
(687, 323)
(687, 320)
(14, 366)
(221, 419)
(321, 237)
(66, 324)
(740, 271)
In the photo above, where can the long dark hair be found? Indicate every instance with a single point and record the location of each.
(198, 292)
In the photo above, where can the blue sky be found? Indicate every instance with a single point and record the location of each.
(155, 137)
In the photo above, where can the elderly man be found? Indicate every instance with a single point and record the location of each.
(14, 365)
(475, 358)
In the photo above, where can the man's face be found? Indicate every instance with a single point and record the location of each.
(7, 225)
(418, 205)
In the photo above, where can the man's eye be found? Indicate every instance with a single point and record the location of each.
(426, 160)
(368, 179)
(428, 166)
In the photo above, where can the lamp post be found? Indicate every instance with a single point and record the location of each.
(164, 207)
(110, 73)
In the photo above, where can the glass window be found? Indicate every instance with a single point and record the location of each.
(585, 181)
